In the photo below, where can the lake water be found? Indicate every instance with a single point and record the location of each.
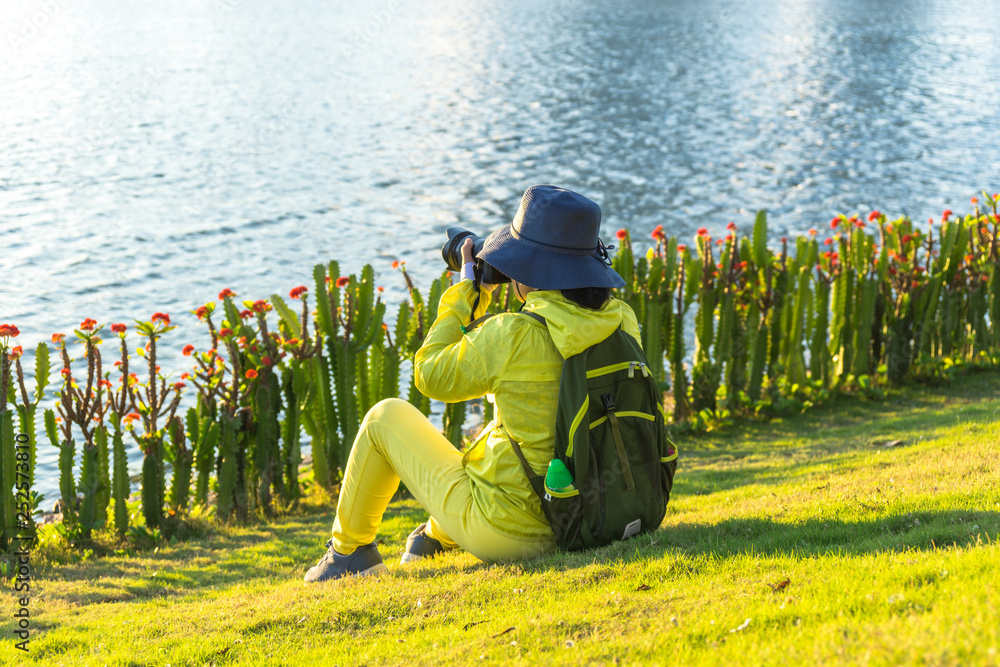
(154, 153)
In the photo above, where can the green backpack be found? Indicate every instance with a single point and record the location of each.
(610, 435)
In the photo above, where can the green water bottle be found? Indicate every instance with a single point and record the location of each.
(558, 477)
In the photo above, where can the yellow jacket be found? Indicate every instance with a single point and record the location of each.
(519, 361)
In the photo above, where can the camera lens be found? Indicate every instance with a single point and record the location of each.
(451, 251)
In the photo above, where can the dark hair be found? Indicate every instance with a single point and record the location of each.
(588, 297)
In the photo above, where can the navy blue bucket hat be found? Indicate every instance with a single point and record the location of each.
(553, 242)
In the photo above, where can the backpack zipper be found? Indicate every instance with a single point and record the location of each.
(613, 368)
(632, 365)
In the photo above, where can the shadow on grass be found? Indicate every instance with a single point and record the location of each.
(916, 531)
(911, 531)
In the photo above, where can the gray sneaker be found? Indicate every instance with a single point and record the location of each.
(420, 546)
(364, 561)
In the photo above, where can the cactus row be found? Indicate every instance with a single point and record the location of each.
(877, 299)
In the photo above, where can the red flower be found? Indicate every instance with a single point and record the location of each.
(892, 270)
(188, 349)
(65, 372)
(731, 226)
(118, 328)
(16, 352)
(813, 232)
(834, 256)
(226, 292)
(261, 306)
(88, 324)
(9, 330)
(298, 291)
(873, 216)
(974, 200)
(702, 231)
(131, 417)
(178, 386)
(246, 314)
(161, 317)
(741, 266)
(225, 331)
(251, 374)
(292, 341)
(828, 242)
(945, 215)
(266, 360)
(835, 222)
(681, 247)
(888, 228)
(56, 337)
(906, 238)
(718, 242)
(342, 281)
(621, 234)
(784, 239)
(185, 376)
(382, 289)
(203, 312)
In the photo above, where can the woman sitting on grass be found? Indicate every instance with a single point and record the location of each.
(482, 501)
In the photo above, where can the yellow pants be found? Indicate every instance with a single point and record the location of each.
(396, 442)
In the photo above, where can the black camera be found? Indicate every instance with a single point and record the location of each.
(451, 252)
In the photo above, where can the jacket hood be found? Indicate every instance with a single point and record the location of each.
(574, 328)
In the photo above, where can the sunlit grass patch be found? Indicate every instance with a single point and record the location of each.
(799, 541)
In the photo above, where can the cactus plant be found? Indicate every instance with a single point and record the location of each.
(228, 466)
(704, 374)
(183, 458)
(359, 316)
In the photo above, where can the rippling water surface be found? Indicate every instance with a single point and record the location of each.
(153, 153)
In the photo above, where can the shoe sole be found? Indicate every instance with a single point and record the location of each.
(409, 558)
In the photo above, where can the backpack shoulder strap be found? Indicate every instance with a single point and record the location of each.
(466, 328)
(479, 320)
(535, 316)
(536, 480)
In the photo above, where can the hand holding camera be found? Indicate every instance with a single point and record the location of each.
(463, 246)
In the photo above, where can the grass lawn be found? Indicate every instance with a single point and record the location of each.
(797, 541)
